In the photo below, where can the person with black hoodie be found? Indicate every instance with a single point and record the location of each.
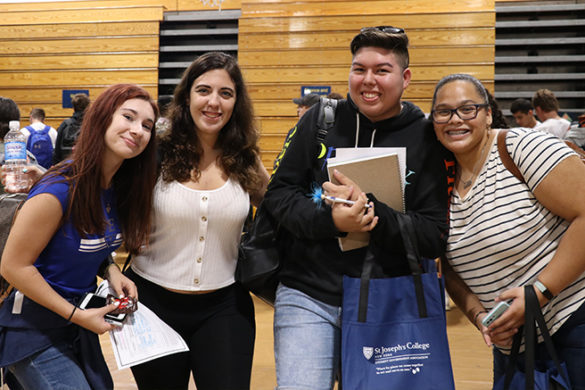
(68, 131)
(307, 319)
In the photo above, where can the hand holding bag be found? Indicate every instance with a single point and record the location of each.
(259, 257)
(394, 333)
(548, 374)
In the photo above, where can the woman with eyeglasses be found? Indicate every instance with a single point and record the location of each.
(505, 232)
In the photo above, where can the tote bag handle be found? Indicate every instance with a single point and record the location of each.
(532, 315)
(413, 257)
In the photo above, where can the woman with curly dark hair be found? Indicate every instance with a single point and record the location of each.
(210, 172)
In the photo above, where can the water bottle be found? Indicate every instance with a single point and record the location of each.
(15, 159)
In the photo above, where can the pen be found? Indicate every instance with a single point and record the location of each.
(339, 200)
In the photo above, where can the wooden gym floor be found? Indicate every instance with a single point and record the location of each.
(471, 358)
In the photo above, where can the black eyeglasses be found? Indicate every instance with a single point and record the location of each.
(465, 112)
(386, 29)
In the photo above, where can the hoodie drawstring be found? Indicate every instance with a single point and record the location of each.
(357, 132)
(372, 139)
(357, 129)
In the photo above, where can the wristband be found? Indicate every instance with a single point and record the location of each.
(477, 315)
(71, 315)
(543, 290)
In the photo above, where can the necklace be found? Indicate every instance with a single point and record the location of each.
(467, 183)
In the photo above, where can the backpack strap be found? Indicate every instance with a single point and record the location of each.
(505, 156)
(326, 118)
(32, 131)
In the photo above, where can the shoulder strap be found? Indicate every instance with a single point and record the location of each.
(505, 156)
(46, 129)
(127, 262)
(326, 117)
(32, 132)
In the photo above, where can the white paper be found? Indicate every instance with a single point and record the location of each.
(143, 337)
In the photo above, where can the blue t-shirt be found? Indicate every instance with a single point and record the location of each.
(69, 263)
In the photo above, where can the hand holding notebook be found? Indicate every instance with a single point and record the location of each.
(379, 175)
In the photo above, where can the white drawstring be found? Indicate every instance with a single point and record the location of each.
(357, 129)
(372, 139)
(357, 132)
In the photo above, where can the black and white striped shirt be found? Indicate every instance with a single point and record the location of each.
(500, 236)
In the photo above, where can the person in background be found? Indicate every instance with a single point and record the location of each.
(163, 123)
(210, 173)
(68, 131)
(576, 133)
(8, 112)
(523, 113)
(506, 233)
(546, 108)
(335, 95)
(305, 102)
(40, 138)
(307, 311)
(80, 211)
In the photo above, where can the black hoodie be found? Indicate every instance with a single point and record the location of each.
(313, 262)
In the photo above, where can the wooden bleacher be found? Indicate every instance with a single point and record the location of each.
(285, 45)
(282, 45)
(540, 45)
(48, 47)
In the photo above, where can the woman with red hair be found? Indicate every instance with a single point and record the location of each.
(79, 212)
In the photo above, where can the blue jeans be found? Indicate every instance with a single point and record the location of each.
(54, 368)
(307, 340)
(569, 343)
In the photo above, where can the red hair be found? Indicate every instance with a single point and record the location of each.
(133, 183)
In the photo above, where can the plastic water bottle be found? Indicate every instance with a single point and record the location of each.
(15, 159)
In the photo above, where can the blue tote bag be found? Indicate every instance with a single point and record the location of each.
(393, 331)
(535, 374)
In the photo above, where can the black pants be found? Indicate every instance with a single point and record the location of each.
(219, 329)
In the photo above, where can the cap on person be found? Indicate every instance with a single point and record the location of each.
(307, 100)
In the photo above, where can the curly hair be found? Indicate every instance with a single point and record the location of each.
(180, 147)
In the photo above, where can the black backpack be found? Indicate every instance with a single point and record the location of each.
(259, 258)
(70, 135)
